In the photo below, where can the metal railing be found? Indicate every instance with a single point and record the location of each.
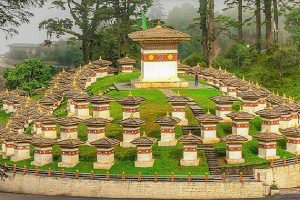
(136, 178)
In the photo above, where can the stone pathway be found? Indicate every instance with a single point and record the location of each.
(211, 157)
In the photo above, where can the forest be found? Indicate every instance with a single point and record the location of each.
(255, 39)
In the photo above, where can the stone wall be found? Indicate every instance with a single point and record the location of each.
(283, 177)
(31, 184)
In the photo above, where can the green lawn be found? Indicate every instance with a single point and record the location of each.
(103, 83)
(201, 97)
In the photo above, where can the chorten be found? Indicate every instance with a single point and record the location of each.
(159, 57)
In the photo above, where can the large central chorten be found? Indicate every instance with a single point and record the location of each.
(159, 57)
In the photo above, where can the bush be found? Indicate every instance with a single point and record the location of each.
(128, 154)
(194, 59)
(29, 75)
(223, 62)
(241, 53)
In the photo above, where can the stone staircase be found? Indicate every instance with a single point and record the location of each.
(197, 110)
(211, 157)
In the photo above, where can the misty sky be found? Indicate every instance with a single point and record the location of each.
(29, 33)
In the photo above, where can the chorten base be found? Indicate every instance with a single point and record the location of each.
(235, 161)
(40, 163)
(189, 163)
(269, 157)
(210, 140)
(144, 163)
(159, 84)
(17, 158)
(183, 122)
(169, 143)
(100, 165)
(67, 165)
(126, 144)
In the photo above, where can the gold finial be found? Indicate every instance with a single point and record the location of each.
(190, 133)
(220, 68)
(225, 70)
(284, 96)
(63, 69)
(130, 94)
(178, 93)
(168, 115)
(100, 58)
(158, 24)
(208, 112)
(144, 134)
(243, 78)
(90, 63)
(241, 108)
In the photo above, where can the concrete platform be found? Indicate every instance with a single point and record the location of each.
(144, 84)
(126, 145)
(170, 143)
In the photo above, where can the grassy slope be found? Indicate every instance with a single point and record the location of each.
(106, 82)
(167, 158)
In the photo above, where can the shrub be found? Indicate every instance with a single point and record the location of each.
(194, 59)
(223, 62)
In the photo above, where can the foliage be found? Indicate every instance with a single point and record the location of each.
(241, 53)
(223, 62)
(292, 25)
(285, 60)
(29, 75)
(64, 53)
(15, 12)
(194, 59)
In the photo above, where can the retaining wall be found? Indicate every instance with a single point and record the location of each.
(31, 184)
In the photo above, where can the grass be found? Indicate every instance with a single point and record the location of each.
(4, 117)
(104, 83)
(201, 97)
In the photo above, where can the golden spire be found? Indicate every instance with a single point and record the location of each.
(190, 133)
(220, 68)
(144, 134)
(208, 112)
(158, 24)
(90, 63)
(178, 93)
(168, 115)
(63, 69)
(130, 94)
(100, 58)
(243, 78)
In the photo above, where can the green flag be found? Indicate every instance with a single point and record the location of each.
(144, 21)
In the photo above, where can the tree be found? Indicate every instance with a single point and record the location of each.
(157, 11)
(211, 32)
(86, 15)
(268, 22)
(239, 4)
(15, 12)
(258, 24)
(276, 21)
(29, 75)
(125, 18)
(285, 60)
(203, 25)
(292, 25)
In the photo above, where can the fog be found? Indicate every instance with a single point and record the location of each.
(29, 33)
